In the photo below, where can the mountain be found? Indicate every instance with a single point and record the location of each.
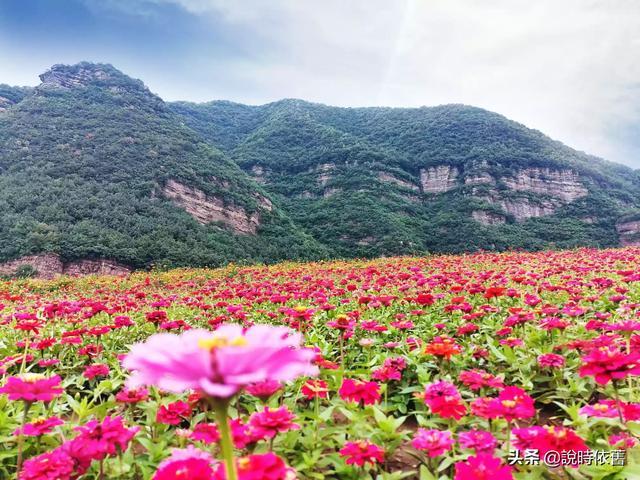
(95, 166)
(453, 178)
(98, 174)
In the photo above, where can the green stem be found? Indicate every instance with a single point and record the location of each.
(27, 406)
(226, 440)
(618, 405)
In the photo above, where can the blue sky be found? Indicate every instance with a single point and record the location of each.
(566, 67)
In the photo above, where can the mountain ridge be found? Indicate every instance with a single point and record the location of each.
(94, 165)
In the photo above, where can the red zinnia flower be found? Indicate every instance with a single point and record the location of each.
(360, 391)
(173, 413)
(315, 388)
(443, 347)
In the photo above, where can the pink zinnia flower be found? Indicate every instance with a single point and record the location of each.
(96, 370)
(359, 391)
(477, 379)
(609, 363)
(513, 403)
(479, 440)
(186, 468)
(482, 467)
(186, 463)
(206, 432)
(551, 360)
(135, 395)
(268, 423)
(264, 389)
(40, 426)
(173, 413)
(97, 439)
(57, 464)
(220, 363)
(267, 466)
(444, 399)
(359, 453)
(32, 387)
(434, 442)
(546, 439)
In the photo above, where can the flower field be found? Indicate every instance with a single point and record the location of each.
(484, 366)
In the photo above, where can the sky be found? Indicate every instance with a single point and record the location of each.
(569, 68)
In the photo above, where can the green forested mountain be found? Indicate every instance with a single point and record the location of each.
(371, 181)
(93, 165)
(85, 160)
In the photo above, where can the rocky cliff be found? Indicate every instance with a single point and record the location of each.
(50, 265)
(629, 232)
(209, 209)
(439, 179)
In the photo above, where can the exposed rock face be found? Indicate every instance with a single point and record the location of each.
(330, 192)
(324, 171)
(59, 77)
(49, 265)
(629, 233)
(488, 218)
(520, 208)
(95, 267)
(4, 103)
(259, 175)
(206, 209)
(554, 188)
(387, 177)
(523, 208)
(483, 178)
(439, 179)
(562, 184)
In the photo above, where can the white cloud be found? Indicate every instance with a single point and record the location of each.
(566, 67)
(569, 68)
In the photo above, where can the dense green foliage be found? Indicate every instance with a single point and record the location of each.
(327, 168)
(84, 158)
(81, 167)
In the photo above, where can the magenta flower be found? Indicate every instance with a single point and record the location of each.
(268, 423)
(434, 442)
(40, 426)
(220, 363)
(56, 464)
(186, 463)
(32, 387)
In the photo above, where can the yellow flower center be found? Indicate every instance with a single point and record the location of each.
(244, 463)
(220, 342)
(508, 403)
(32, 377)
